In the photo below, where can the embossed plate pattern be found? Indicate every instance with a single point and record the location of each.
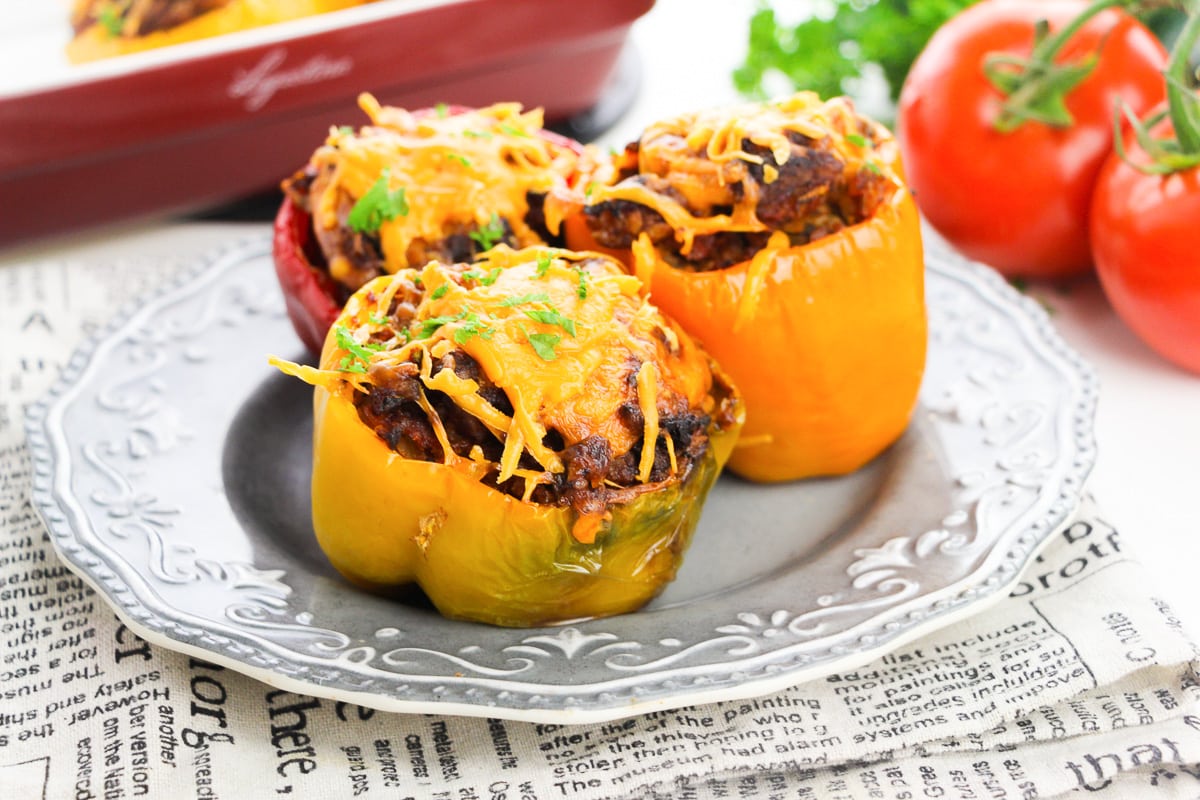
(171, 468)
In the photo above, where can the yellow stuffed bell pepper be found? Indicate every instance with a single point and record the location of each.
(106, 28)
(783, 238)
(525, 437)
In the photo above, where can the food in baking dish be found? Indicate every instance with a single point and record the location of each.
(105, 28)
(525, 437)
(443, 184)
(782, 236)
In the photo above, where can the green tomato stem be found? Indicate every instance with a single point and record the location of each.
(1035, 88)
(1181, 100)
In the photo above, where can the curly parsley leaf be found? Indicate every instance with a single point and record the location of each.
(827, 53)
(543, 264)
(377, 206)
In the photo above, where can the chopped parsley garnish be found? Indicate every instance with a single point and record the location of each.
(489, 235)
(513, 130)
(581, 290)
(551, 317)
(377, 319)
(430, 326)
(358, 356)
(442, 110)
(484, 278)
(871, 166)
(587, 190)
(111, 21)
(471, 326)
(543, 264)
(856, 140)
(345, 130)
(377, 206)
(540, 297)
(544, 344)
(478, 134)
(461, 159)
(440, 291)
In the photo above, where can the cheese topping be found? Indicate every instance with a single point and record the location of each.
(702, 156)
(460, 171)
(568, 337)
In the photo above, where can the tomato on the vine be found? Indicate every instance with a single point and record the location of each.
(1144, 214)
(1018, 198)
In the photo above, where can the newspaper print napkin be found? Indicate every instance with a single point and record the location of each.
(1082, 680)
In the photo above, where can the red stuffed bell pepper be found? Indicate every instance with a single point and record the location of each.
(442, 184)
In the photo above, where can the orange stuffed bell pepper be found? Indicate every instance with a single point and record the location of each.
(106, 28)
(441, 184)
(525, 437)
(782, 237)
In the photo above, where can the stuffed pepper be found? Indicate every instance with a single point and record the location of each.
(782, 236)
(439, 184)
(105, 28)
(525, 437)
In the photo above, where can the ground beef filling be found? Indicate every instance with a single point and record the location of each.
(593, 479)
(460, 243)
(811, 197)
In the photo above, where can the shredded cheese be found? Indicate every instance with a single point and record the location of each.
(647, 384)
(575, 389)
(457, 171)
(702, 156)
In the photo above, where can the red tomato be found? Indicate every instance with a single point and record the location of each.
(1143, 230)
(1019, 201)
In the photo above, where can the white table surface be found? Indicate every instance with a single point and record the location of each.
(1148, 422)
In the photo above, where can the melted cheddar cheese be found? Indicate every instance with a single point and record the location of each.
(702, 155)
(610, 348)
(459, 171)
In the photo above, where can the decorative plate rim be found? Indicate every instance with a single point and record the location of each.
(150, 617)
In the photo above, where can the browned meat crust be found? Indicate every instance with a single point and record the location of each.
(593, 478)
(811, 195)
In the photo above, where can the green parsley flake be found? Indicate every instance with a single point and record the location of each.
(512, 130)
(345, 130)
(377, 319)
(543, 264)
(111, 21)
(442, 110)
(540, 297)
(581, 291)
(544, 344)
(461, 159)
(552, 317)
(489, 235)
(377, 205)
(440, 291)
(478, 134)
(430, 326)
(485, 279)
(856, 140)
(471, 326)
(871, 166)
(358, 355)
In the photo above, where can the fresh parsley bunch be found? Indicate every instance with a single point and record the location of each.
(832, 47)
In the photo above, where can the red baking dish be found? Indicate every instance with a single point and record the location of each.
(191, 125)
